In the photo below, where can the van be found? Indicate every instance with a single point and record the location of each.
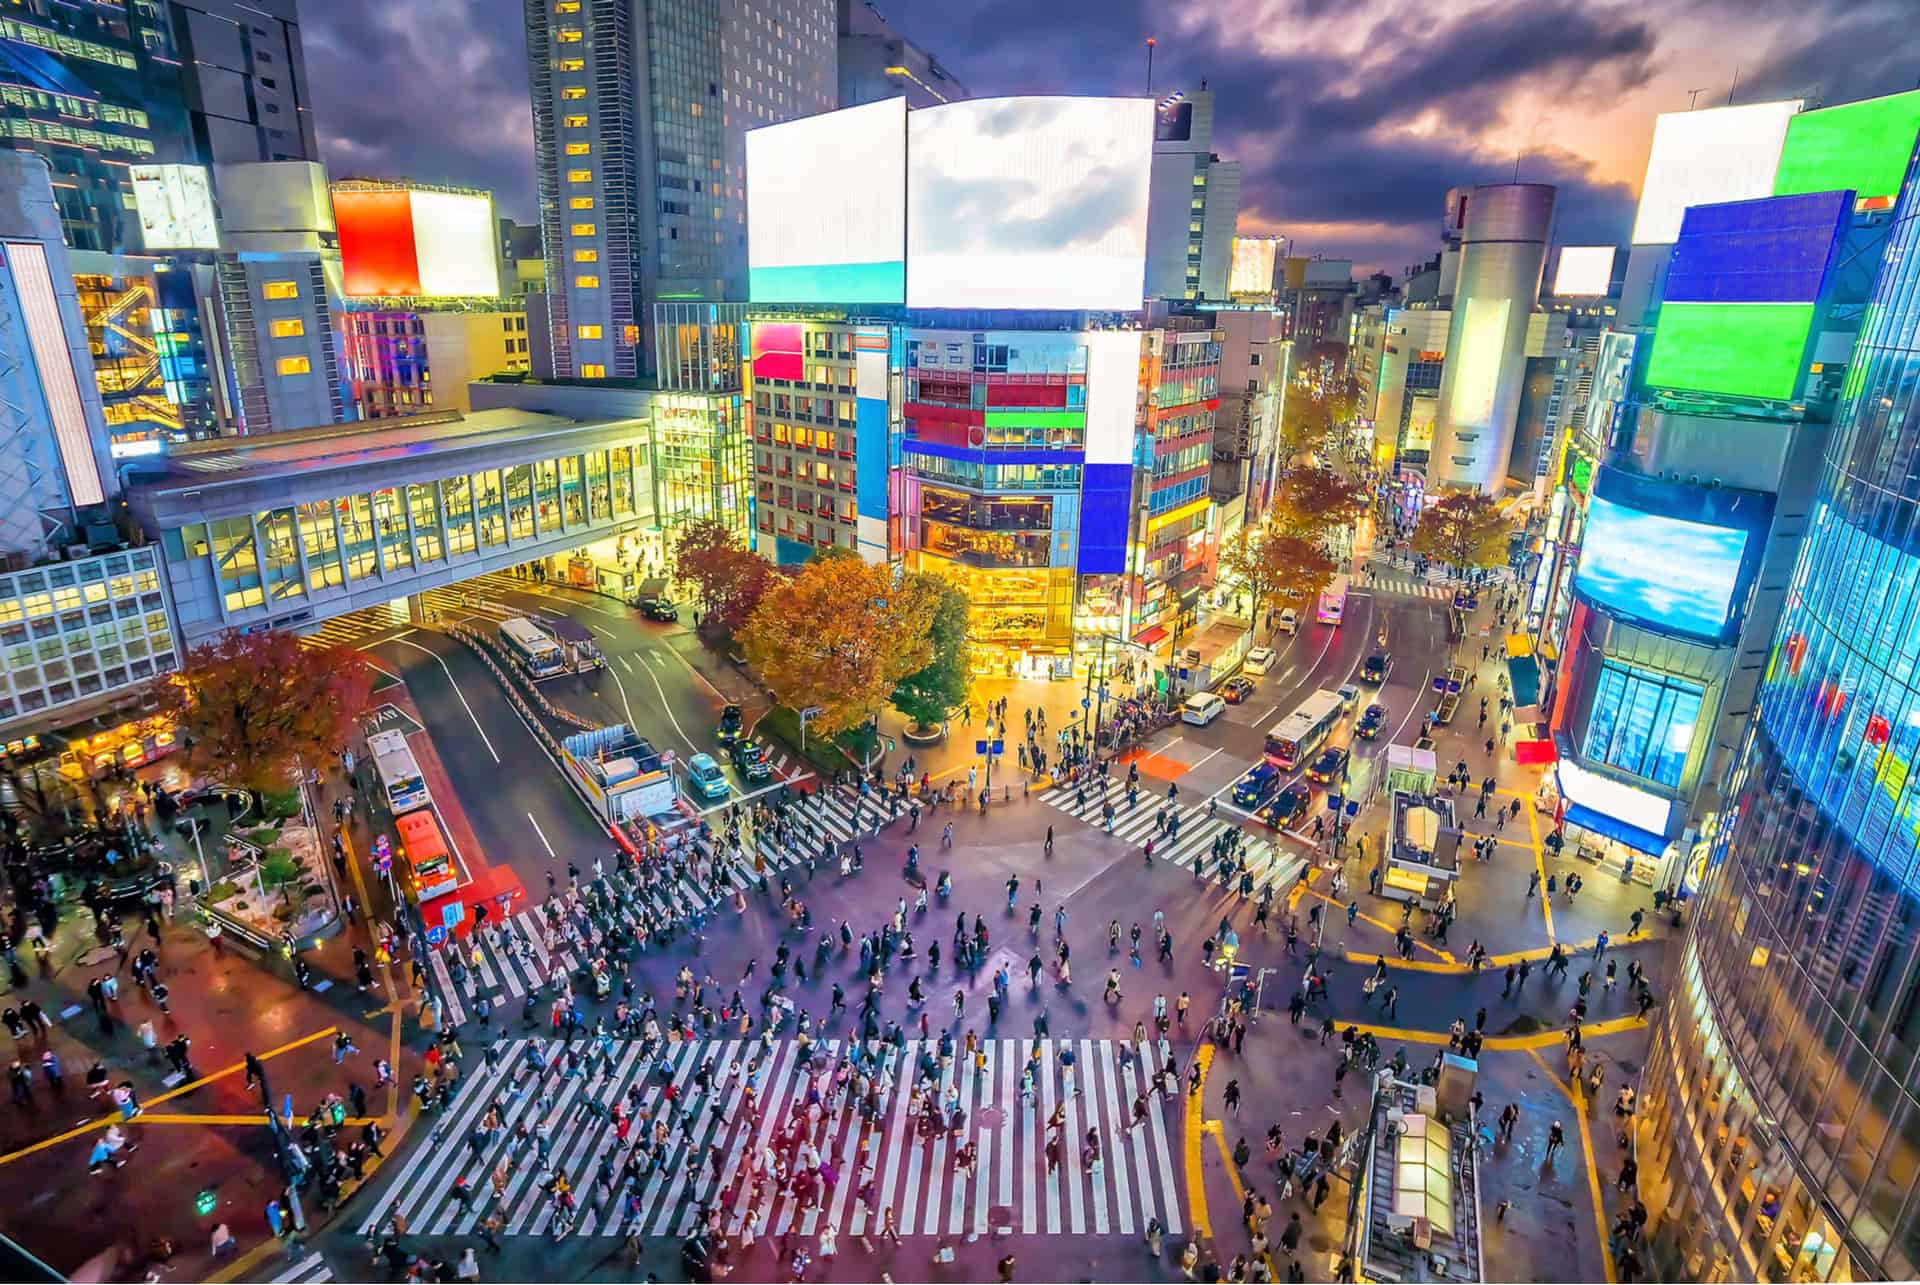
(1259, 660)
(1201, 708)
(705, 780)
(1290, 620)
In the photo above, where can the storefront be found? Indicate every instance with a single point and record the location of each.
(1609, 824)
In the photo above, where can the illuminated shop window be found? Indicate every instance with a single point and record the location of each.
(1642, 722)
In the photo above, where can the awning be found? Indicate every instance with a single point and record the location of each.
(1148, 637)
(1631, 835)
(1525, 673)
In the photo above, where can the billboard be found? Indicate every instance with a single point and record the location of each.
(777, 350)
(1668, 573)
(1860, 147)
(1036, 202)
(175, 204)
(1611, 798)
(1777, 250)
(398, 241)
(826, 207)
(1483, 338)
(1732, 349)
(1254, 260)
(1584, 270)
(1720, 154)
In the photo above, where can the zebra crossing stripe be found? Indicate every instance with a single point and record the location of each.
(311, 1270)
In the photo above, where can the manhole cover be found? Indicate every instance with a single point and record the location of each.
(990, 1117)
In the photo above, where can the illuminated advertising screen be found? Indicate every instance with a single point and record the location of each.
(826, 207)
(1483, 337)
(175, 204)
(1253, 264)
(454, 243)
(1028, 203)
(414, 242)
(1721, 154)
(1581, 787)
(1732, 349)
(1859, 147)
(777, 350)
(1776, 250)
(1584, 270)
(1670, 557)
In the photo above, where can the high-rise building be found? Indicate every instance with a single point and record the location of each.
(1253, 376)
(244, 75)
(878, 62)
(1195, 203)
(641, 109)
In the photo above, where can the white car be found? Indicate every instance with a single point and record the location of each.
(1290, 620)
(1202, 708)
(1259, 660)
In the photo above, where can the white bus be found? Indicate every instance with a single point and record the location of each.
(532, 648)
(400, 778)
(1333, 601)
(1295, 738)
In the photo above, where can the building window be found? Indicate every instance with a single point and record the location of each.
(573, 64)
(593, 370)
(288, 327)
(1642, 722)
(575, 122)
(584, 229)
(584, 282)
(574, 93)
(586, 256)
(579, 149)
(567, 36)
(579, 176)
(587, 332)
(280, 290)
(581, 203)
(567, 6)
(293, 366)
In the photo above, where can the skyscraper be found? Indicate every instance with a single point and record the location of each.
(640, 110)
(878, 62)
(1195, 203)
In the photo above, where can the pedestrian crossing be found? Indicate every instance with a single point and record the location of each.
(509, 960)
(1273, 864)
(1406, 584)
(352, 628)
(717, 1145)
(311, 1270)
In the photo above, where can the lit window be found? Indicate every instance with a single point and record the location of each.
(587, 332)
(573, 64)
(586, 256)
(567, 6)
(288, 327)
(593, 370)
(581, 203)
(293, 365)
(568, 35)
(281, 290)
(573, 93)
(579, 176)
(579, 149)
(584, 229)
(587, 283)
(575, 122)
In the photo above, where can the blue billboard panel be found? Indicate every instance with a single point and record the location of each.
(1777, 250)
(1666, 572)
(1105, 492)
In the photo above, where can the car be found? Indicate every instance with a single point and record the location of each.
(1376, 667)
(1465, 599)
(705, 780)
(1349, 695)
(1259, 660)
(663, 609)
(1201, 708)
(1255, 785)
(731, 719)
(751, 760)
(1373, 722)
(1290, 621)
(1288, 806)
(1329, 767)
(1236, 689)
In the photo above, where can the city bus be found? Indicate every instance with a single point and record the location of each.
(536, 653)
(1333, 602)
(400, 780)
(1296, 737)
(423, 846)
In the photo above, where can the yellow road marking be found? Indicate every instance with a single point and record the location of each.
(1233, 1176)
(1539, 1040)
(1539, 856)
(242, 1267)
(1196, 1179)
(188, 1117)
(1578, 1098)
(1573, 952)
(395, 1006)
(1381, 924)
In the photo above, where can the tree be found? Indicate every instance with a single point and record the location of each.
(1313, 502)
(840, 635)
(728, 577)
(1304, 424)
(929, 694)
(249, 707)
(1272, 566)
(1464, 530)
(1343, 405)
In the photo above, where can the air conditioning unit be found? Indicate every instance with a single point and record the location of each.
(1422, 1233)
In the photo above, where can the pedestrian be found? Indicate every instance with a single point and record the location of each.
(1556, 1139)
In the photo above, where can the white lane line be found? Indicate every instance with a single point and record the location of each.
(1265, 714)
(543, 837)
(666, 706)
(623, 663)
(1192, 766)
(457, 692)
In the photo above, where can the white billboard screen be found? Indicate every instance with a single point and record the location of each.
(175, 204)
(1706, 157)
(1253, 264)
(827, 207)
(455, 243)
(1584, 270)
(1029, 203)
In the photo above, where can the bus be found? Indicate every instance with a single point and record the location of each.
(400, 778)
(423, 846)
(536, 653)
(1333, 601)
(1296, 737)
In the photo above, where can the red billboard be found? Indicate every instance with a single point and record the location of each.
(376, 242)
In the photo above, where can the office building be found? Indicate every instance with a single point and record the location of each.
(152, 358)
(641, 109)
(1254, 359)
(277, 314)
(1399, 356)
(244, 75)
(1195, 203)
(1317, 299)
(877, 62)
(523, 266)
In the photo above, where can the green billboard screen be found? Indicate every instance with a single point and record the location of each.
(1862, 146)
(1734, 349)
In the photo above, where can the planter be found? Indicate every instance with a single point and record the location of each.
(914, 734)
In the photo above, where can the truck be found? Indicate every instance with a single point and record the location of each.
(654, 602)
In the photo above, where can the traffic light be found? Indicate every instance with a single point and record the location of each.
(205, 1202)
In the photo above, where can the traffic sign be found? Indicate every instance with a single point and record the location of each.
(382, 854)
(436, 934)
(453, 912)
(979, 747)
(1353, 807)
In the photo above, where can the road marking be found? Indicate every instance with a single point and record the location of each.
(623, 663)
(1193, 766)
(1578, 1098)
(543, 837)
(1196, 1177)
(1265, 714)
(457, 692)
(667, 706)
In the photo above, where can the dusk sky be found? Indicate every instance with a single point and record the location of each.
(1350, 119)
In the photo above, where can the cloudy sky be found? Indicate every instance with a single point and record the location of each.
(1351, 117)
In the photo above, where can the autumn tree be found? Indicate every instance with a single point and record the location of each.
(1271, 566)
(1313, 502)
(840, 635)
(930, 694)
(1464, 530)
(728, 578)
(1305, 425)
(251, 706)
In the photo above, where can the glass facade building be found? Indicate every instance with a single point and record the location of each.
(1781, 1139)
(80, 629)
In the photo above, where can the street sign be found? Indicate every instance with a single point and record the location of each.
(1353, 807)
(382, 854)
(1239, 973)
(1333, 803)
(384, 718)
(453, 912)
(979, 747)
(436, 934)
(999, 746)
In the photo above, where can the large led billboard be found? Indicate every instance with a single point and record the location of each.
(1584, 270)
(826, 207)
(1028, 203)
(1254, 259)
(1483, 337)
(1776, 250)
(1731, 349)
(1721, 154)
(1672, 558)
(1859, 147)
(175, 204)
(398, 241)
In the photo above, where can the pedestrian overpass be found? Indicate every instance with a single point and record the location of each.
(287, 530)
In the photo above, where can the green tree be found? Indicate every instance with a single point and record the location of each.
(1274, 567)
(930, 694)
(1314, 502)
(1464, 530)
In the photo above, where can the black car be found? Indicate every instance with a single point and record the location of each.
(1330, 767)
(751, 760)
(730, 721)
(1372, 722)
(1236, 689)
(658, 608)
(1377, 667)
(1288, 806)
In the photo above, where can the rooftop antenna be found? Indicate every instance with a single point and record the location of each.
(1735, 85)
(1151, 42)
(1693, 96)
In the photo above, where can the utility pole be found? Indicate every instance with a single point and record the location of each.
(1151, 42)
